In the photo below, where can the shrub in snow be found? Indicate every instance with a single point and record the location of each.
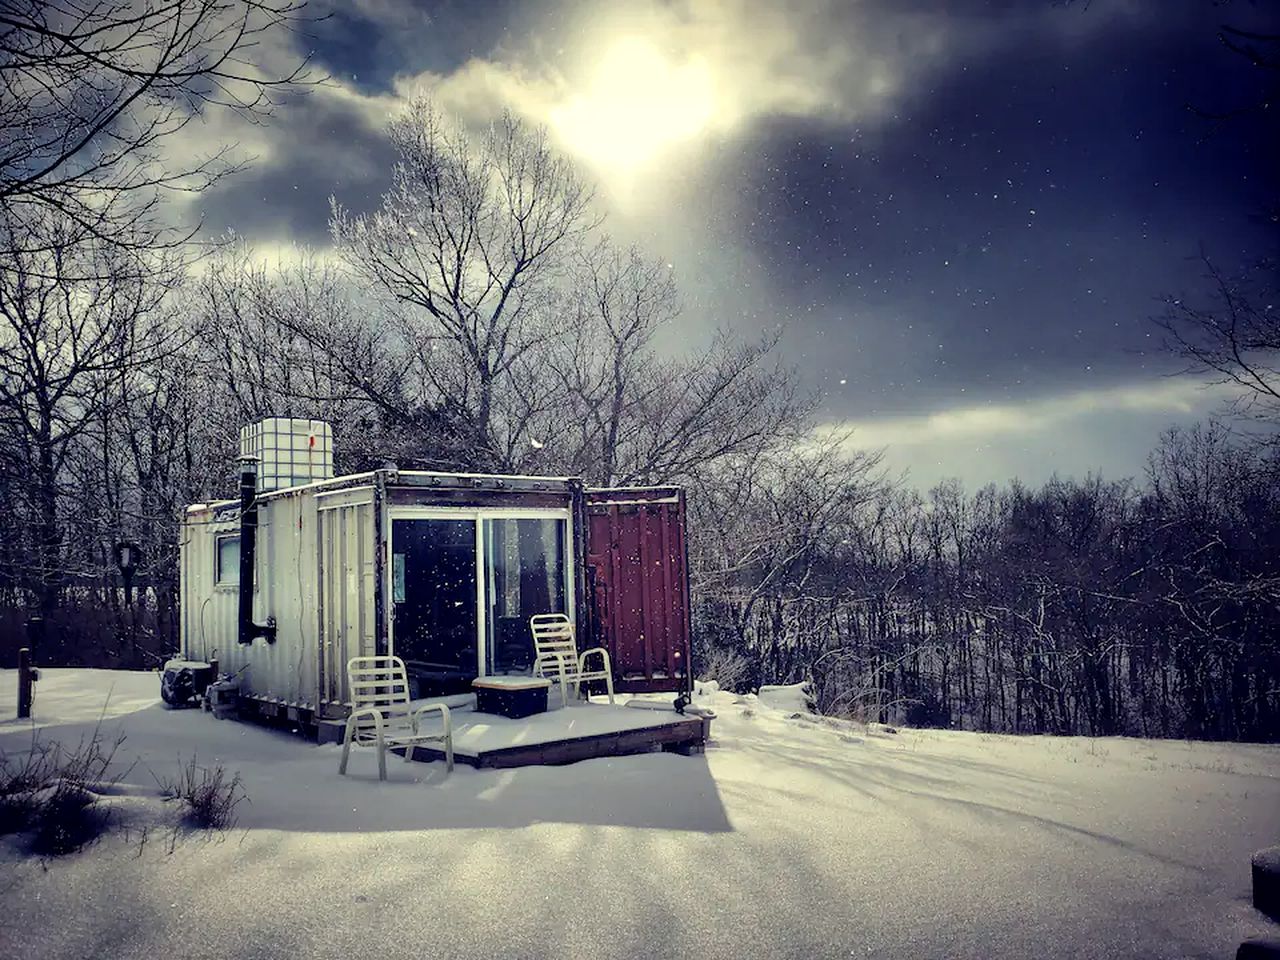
(210, 795)
(51, 792)
(730, 669)
(19, 780)
(67, 816)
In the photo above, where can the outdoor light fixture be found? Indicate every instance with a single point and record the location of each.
(128, 555)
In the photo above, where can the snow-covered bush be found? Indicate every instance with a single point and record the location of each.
(728, 668)
(67, 816)
(211, 797)
(791, 697)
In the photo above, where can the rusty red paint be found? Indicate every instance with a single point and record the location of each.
(635, 547)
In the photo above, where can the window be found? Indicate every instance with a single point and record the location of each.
(448, 600)
(227, 561)
(526, 572)
(434, 591)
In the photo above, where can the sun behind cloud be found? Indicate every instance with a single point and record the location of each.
(636, 103)
(645, 92)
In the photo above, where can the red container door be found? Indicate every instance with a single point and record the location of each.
(640, 584)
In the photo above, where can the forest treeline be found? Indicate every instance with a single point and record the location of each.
(479, 317)
(1079, 607)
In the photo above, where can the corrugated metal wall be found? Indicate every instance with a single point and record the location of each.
(636, 551)
(314, 574)
(285, 571)
(346, 577)
(209, 611)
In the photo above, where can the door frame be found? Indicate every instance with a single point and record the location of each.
(477, 515)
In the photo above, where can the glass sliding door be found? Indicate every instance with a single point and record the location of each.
(434, 595)
(526, 571)
(463, 585)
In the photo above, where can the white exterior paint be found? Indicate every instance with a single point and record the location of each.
(289, 585)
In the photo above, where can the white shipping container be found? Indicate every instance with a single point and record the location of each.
(332, 560)
(313, 575)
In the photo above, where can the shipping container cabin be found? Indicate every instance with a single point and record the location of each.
(443, 570)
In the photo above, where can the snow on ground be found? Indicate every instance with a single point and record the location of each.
(792, 837)
(790, 697)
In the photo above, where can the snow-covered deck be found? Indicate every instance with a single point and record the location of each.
(561, 735)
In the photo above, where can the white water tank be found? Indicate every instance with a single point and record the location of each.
(290, 451)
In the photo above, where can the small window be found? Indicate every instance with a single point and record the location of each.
(227, 562)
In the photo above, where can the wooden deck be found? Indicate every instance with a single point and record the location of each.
(565, 735)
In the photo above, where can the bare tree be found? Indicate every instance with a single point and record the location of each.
(470, 242)
(528, 340)
(74, 314)
(620, 300)
(298, 339)
(1233, 338)
(90, 91)
(734, 398)
(166, 447)
(1232, 332)
(620, 407)
(767, 530)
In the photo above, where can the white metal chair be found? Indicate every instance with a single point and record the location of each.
(556, 655)
(382, 715)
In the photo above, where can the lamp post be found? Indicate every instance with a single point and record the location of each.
(128, 556)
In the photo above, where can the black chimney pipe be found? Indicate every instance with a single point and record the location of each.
(248, 631)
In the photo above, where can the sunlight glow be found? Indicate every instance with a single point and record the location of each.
(636, 104)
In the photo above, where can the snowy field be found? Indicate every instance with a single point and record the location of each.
(792, 837)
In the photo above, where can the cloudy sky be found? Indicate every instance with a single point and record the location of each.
(962, 214)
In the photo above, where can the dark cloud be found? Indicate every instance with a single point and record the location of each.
(993, 227)
(1007, 233)
(321, 145)
(368, 43)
